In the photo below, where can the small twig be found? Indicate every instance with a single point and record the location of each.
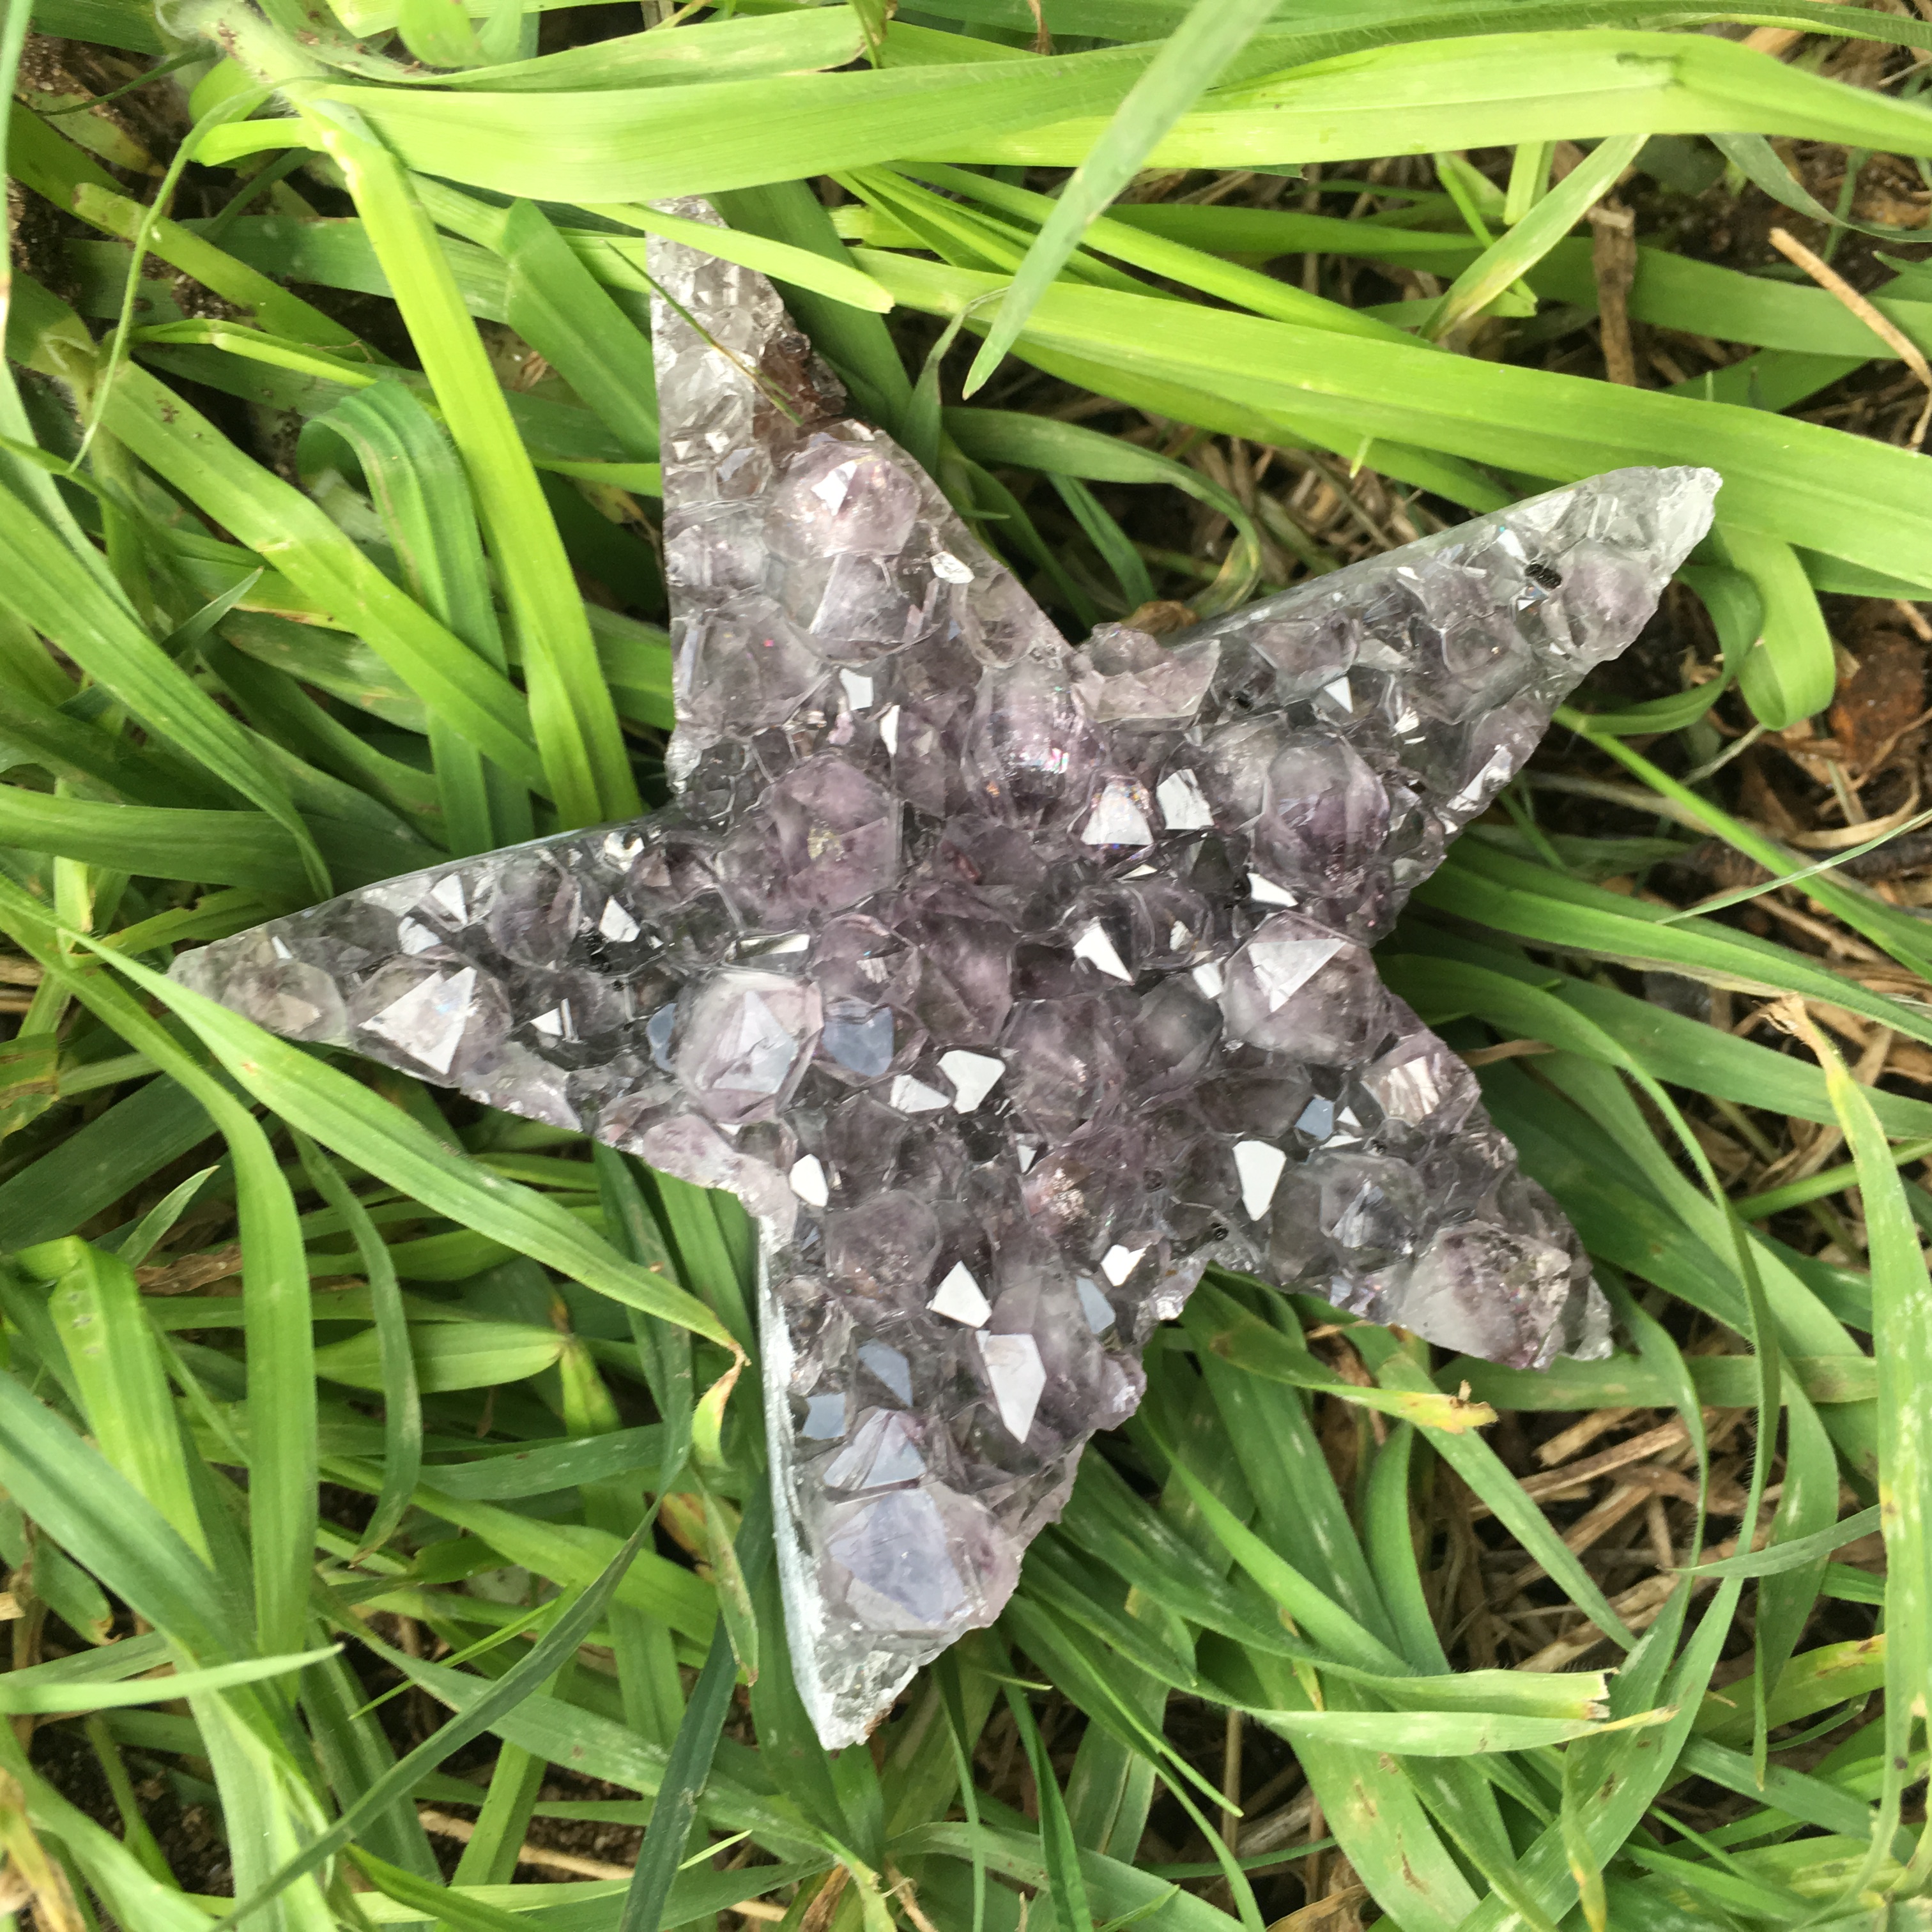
(1613, 257)
(818, 1914)
(446, 1825)
(1231, 1779)
(1834, 939)
(1859, 830)
(1588, 1529)
(1566, 1442)
(1508, 1049)
(906, 1896)
(1829, 279)
(1271, 1832)
(1637, 1449)
(1639, 1606)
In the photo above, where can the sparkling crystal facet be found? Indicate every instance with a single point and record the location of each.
(1008, 984)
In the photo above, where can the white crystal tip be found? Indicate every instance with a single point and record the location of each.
(1679, 500)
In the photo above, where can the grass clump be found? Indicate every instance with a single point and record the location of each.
(327, 498)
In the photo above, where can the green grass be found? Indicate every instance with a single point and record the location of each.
(345, 1402)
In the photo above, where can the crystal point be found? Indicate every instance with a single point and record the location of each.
(1008, 984)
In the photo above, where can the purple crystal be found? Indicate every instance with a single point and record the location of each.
(1007, 984)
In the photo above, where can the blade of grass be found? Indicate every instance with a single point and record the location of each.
(686, 1771)
(1067, 1883)
(1297, 1505)
(438, 32)
(1532, 903)
(96, 1310)
(1508, 258)
(503, 1821)
(1447, 94)
(274, 517)
(780, 44)
(455, 1908)
(1898, 932)
(1345, 392)
(1791, 672)
(1902, 1344)
(644, 1649)
(402, 1406)
(1389, 1539)
(19, 1698)
(572, 717)
(1807, 1506)
(558, 1643)
(354, 1752)
(109, 1526)
(1479, 1465)
(417, 485)
(604, 1747)
(830, 277)
(1189, 62)
(47, 585)
(281, 1411)
(1117, 235)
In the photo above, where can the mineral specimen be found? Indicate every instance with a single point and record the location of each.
(1007, 983)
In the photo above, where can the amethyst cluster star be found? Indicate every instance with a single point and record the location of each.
(1008, 984)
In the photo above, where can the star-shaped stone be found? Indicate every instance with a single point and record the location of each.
(1007, 984)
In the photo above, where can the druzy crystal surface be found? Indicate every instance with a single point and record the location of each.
(1007, 983)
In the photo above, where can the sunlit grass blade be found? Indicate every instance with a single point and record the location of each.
(1120, 236)
(20, 1698)
(571, 718)
(455, 1908)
